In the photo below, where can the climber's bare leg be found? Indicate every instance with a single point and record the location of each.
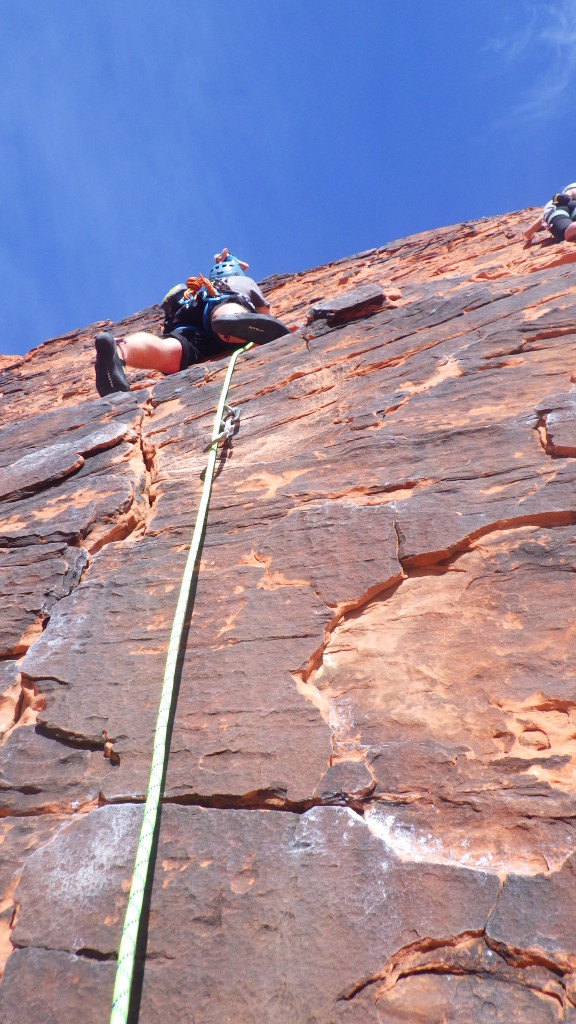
(144, 351)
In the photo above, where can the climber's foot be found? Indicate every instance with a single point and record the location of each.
(257, 327)
(110, 374)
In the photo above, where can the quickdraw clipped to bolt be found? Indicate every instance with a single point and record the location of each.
(228, 425)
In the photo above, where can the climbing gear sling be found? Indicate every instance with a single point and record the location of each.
(127, 950)
(198, 292)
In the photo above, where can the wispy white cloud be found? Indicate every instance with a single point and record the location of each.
(548, 41)
(512, 47)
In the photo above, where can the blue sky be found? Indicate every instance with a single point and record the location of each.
(137, 138)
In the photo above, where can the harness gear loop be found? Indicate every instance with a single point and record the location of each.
(127, 950)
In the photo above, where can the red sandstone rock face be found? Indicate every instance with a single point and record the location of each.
(370, 797)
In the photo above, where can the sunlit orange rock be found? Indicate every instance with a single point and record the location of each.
(370, 799)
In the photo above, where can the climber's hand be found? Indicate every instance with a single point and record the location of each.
(219, 257)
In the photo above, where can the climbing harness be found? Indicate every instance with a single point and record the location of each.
(209, 292)
(186, 295)
(224, 425)
(204, 294)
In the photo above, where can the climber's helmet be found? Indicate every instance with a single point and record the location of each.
(230, 267)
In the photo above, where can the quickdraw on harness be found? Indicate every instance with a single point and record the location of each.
(200, 286)
(210, 292)
(225, 423)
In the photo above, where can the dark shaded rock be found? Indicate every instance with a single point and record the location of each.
(85, 427)
(66, 988)
(347, 782)
(81, 879)
(452, 998)
(37, 470)
(519, 925)
(312, 543)
(38, 775)
(125, 588)
(559, 421)
(320, 883)
(73, 513)
(19, 837)
(32, 579)
(350, 306)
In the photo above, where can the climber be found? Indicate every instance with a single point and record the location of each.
(558, 217)
(201, 318)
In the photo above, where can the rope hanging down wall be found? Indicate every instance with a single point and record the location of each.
(128, 942)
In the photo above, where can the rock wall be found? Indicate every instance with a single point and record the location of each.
(369, 808)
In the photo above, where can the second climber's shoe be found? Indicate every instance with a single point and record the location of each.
(110, 374)
(256, 327)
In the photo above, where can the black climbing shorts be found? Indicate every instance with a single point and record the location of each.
(558, 227)
(194, 346)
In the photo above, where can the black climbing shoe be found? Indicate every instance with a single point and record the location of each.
(256, 327)
(110, 374)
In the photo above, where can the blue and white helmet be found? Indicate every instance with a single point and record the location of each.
(230, 267)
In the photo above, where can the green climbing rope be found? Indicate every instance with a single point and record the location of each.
(126, 953)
